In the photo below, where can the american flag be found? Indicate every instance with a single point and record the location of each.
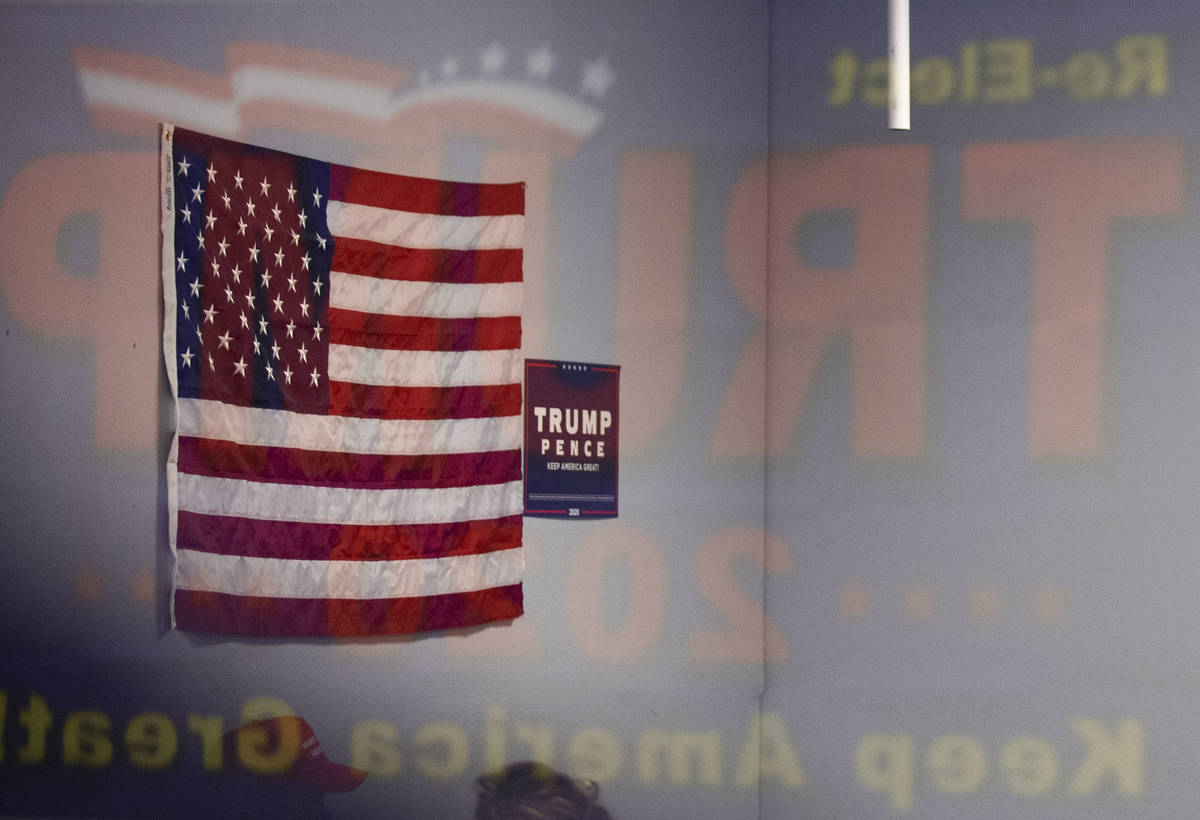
(344, 349)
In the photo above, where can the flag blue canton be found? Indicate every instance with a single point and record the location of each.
(252, 276)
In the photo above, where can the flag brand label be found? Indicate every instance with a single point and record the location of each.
(571, 427)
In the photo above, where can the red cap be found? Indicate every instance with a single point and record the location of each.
(311, 768)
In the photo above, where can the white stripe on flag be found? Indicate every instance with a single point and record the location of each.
(270, 84)
(415, 230)
(274, 84)
(159, 99)
(336, 505)
(423, 368)
(361, 580)
(547, 104)
(437, 299)
(264, 427)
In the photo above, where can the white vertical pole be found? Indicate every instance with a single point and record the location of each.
(898, 80)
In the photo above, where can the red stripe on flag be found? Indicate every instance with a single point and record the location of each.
(229, 535)
(423, 403)
(287, 617)
(352, 327)
(425, 196)
(366, 258)
(283, 465)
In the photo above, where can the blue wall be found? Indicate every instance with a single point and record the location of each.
(908, 418)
